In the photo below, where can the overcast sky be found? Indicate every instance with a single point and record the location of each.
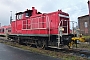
(75, 8)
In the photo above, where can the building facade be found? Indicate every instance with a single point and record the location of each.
(84, 24)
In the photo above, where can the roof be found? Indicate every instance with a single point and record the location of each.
(6, 26)
(23, 12)
(83, 16)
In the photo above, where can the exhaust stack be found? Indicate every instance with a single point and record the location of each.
(89, 6)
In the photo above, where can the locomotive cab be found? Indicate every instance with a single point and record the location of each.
(63, 28)
(64, 35)
(23, 15)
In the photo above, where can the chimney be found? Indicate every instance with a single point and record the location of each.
(89, 10)
(34, 11)
(89, 6)
(33, 8)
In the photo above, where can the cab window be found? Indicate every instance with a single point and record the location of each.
(27, 14)
(19, 16)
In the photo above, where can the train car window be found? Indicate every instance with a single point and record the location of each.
(0, 30)
(9, 30)
(3, 30)
(27, 14)
(19, 16)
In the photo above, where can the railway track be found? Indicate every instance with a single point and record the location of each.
(76, 52)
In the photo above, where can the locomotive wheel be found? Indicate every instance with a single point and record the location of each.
(41, 44)
(19, 40)
(37, 45)
(44, 44)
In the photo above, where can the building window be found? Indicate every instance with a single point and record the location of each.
(85, 24)
(86, 27)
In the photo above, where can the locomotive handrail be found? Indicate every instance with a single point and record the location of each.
(32, 24)
(48, 25)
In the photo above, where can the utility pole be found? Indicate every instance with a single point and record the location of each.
(11, 17)
(89, 6)
(73, 26)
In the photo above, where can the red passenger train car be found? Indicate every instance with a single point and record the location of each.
(4, 30)
(41, 29)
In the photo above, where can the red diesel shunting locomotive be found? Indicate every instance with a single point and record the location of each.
(42, 29)
(33, 22)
